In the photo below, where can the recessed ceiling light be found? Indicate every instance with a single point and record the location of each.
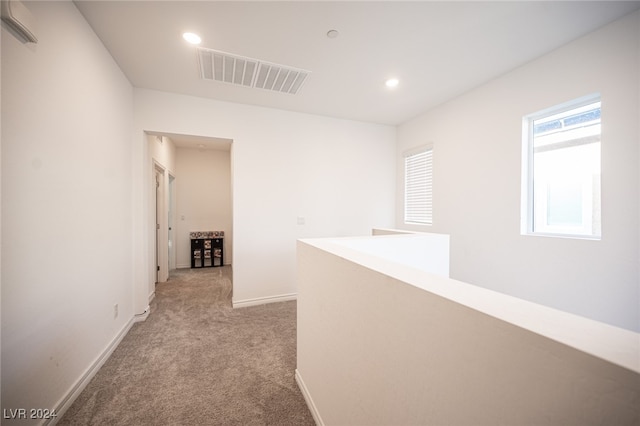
(392, 82)
(192, 38)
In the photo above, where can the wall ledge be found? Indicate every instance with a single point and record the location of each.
(385, 342)
(613, 344)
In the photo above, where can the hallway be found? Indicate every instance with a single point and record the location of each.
(197, 361)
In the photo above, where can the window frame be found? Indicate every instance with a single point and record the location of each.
(527, 209)
(427, 148)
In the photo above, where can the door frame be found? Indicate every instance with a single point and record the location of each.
(161, 231)
(144, 199)
(171, 222)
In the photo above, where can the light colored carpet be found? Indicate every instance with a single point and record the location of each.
(197, 361)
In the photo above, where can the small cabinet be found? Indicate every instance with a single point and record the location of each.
(207, 250)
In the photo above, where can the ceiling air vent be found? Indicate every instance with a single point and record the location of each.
(248, 72)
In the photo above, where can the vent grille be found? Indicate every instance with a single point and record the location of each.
(242, 71)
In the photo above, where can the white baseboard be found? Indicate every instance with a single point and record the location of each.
(263, 300)
(63, 405)
(308, 399)
(143, 316)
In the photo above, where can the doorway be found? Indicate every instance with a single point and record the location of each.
(195, 191)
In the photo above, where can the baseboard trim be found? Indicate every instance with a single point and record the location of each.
(264, 300)
(63, 405)
(308, 399)
(142, 316)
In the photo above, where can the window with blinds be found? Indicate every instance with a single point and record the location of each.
(418, 179)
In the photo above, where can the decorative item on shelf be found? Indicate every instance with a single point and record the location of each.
(207, 254)
(207, 244)
(194, 235)
(196, 254)
(217, 253)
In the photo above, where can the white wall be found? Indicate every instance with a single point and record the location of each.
(384, 343)
(338, 175)
(203, 192)
(66, 206)
(163, 152)
(477, 154)
(426, 252)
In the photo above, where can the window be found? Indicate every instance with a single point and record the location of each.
(418, 169)
(561, 170)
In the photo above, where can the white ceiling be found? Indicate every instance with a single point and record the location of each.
(438, 49)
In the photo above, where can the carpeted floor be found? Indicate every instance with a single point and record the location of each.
(197, 361)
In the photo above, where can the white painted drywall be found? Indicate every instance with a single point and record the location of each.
(336, 176)
(66, 206)
(477, 157)
(390, 231)
(203, 193)
(423, 251)
(380, 343)
(163, 152)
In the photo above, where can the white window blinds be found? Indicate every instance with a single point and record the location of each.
(418, 173)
